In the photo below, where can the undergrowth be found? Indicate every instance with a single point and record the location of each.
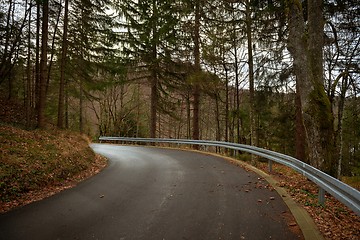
(32, 160)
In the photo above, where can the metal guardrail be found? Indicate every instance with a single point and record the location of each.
(341, 191)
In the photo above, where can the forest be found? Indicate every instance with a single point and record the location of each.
(282, 75)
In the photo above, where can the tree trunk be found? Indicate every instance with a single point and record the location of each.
(37, 56)
(188, 115)
(81, 107)
(339, 132)
(316, 108)
(226, 105)
(28, 73)
(153, 107)
(52, 49)
(251, 78)
(4, 63)
(319, 100)
(196, 87)
(43, 63)
(60, 119)
(154, 77)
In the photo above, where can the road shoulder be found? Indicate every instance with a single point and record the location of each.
(302, 217)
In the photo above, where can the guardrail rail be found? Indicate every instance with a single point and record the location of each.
(326, 183)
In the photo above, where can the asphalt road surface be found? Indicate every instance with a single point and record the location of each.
(152, 193)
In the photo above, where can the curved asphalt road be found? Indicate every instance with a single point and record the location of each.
(151, 193)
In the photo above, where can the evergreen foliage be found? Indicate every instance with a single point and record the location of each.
(184, 68)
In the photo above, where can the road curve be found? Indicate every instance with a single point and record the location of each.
(152, 193)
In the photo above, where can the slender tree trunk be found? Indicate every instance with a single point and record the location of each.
(13, 37)
(52, 49)
(339, 133)
(66, 106)
(28, 72)
(37, 56)
(188, 116)
(153, 107)
(226, 105)
(4, 63)
(81, 107)
(138, 110)
(154, 78)
(237, 89)
(196, 87)
(237, 83)
(60, 120)
(43, 64)
(217, 117)
(251, 78)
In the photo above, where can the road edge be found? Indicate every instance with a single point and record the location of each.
(302, 217)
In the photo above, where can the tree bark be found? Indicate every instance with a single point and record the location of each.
(60, 119)
(226, 104)
(306, 49)
(153, 107)
(43, 65)
(28, 73)
(52, 52)
(196, 87)
(154, 78)
(251, 78)
(4, 64)
(81, 106)
(37, 56)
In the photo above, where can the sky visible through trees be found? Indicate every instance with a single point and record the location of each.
(282, 75)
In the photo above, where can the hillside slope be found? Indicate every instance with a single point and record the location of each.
(39, 163)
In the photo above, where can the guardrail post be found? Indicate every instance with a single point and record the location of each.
(270, 166)
(321, 196)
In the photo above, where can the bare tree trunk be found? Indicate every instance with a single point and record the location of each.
(188, 116)
(226, 105)
(43, 65)
(37, 56)
(52, 49)
(251, 78)
(339, 132)
(196, 87)
(153, 107)
(28, 73)
(154, 77)
(60, 119)
(4, 63)
(81, 107)
(137, 109)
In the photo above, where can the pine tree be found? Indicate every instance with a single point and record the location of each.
(91, 44)
(148, 43)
